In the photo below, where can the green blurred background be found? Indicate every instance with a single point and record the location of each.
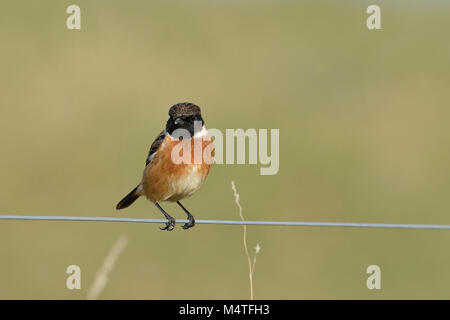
(364, 137)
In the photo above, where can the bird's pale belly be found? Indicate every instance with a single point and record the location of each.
(183, 187)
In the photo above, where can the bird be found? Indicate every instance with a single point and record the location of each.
(165, 177)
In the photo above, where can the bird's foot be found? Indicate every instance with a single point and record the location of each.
(170, 224)
(189, 224)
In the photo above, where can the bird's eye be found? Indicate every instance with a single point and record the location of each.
(178, 121)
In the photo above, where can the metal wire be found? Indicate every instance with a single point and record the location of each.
(233, 222)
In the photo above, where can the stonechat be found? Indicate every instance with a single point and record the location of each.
(165, 177)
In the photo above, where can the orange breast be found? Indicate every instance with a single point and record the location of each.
(165, 180)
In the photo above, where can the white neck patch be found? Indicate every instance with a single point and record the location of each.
(201, 133)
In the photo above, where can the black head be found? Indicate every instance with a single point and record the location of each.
(182, 116)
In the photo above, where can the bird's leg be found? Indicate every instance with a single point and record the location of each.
(170, 220)
(190, 217)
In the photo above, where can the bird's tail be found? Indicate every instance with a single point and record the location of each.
(129, 199)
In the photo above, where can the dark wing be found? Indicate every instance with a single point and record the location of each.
(155, 145)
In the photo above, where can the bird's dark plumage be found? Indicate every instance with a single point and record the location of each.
(154, 147)
(183, 109)
(128, 200)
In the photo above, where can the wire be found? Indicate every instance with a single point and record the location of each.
(233, 222)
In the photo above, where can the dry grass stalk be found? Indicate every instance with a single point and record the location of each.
(101, 278)
(251, 266)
